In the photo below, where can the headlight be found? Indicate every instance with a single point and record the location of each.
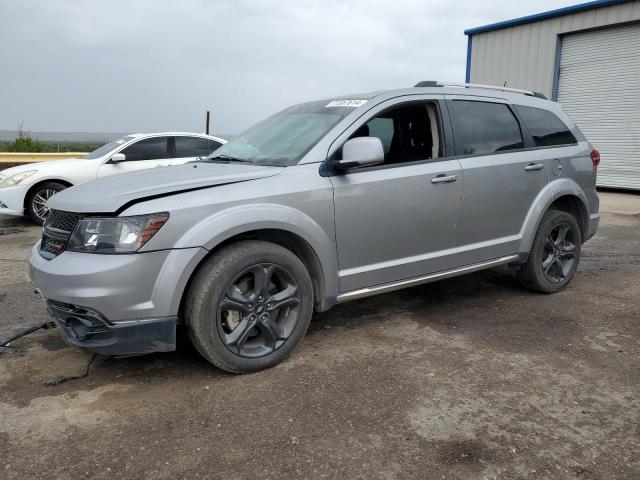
(115, 235)
(16, 179)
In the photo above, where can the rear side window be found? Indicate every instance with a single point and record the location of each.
(192, 147)
(545, 127)
(148, 149)
(483, 128)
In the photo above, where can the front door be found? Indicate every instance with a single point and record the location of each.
(147, 153)
(399, 220)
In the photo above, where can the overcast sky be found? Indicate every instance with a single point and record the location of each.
(145, 65)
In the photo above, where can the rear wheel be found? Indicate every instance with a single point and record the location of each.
(249, 306)
(554, 255)
(36, 202)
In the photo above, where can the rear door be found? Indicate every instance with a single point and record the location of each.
(398, 220)
(191, 148)
(145, 153)
(501, 176)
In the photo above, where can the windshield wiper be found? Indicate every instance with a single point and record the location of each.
(223, 158)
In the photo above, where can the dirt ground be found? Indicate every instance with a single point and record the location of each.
(469, 378)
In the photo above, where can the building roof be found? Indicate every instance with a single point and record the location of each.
(544, 15)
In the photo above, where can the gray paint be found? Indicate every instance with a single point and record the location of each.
(371, 231)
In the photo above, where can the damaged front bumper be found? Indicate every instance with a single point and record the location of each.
(88, 329)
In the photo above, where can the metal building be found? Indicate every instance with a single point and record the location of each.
(587, 57)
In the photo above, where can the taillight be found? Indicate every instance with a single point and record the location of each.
(595, 158)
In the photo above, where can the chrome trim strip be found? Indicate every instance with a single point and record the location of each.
(390, 287)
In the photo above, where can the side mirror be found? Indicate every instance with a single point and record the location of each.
(117, 158)
(361, 152)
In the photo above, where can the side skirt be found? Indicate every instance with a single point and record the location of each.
(432, 277)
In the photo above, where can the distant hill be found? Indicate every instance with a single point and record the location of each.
(97, 137)
(63, 137)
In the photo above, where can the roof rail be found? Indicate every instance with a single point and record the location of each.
(435, 83)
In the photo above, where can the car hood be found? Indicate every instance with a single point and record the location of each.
(43, 166)
(113, 194)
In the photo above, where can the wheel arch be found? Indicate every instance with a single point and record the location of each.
(563, 194)
(33, 187)
(572, 204)
(287, 239)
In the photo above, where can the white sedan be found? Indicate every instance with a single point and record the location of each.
(25, 189)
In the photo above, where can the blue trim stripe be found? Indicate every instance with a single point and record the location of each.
(544, 15)
(556, 69)
(467, 77)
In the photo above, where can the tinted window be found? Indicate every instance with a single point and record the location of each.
(545, 127)
(149, 149)
(192, 147)
(213, 146)
(483, 127)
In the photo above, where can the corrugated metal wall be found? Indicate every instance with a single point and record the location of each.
(524, 55)
(599, 88)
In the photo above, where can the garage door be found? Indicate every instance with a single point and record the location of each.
(599, 87)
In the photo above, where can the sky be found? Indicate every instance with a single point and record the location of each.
(155, 65)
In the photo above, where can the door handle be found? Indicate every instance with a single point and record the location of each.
(532, 167)
(442, 178)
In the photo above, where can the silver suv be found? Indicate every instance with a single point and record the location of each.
(321, 203)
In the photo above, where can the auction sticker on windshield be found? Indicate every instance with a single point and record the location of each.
(346, 103)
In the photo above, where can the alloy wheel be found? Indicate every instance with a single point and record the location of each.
(558, 256)
(259, 310)
(39, 202)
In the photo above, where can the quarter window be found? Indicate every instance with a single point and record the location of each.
(545, 127)
(192, 147)
(148, 149)
(483, 127)
(213, 146)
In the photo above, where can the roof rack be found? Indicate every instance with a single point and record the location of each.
(435, 83)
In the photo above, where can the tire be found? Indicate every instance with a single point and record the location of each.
(231, 316)
(35, 209)
(554, 255)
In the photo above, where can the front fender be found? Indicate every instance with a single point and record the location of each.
(236, 220)
(551, 192)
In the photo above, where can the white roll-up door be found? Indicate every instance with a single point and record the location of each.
(599, 87)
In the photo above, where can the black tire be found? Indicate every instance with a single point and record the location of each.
(554, 255)
(218, 283)
(34, 202)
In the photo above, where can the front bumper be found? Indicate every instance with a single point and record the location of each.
(12, 200)
(115, 304)
(120, 287)
(89, 330)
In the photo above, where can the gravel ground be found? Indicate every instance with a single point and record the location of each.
(468, 378)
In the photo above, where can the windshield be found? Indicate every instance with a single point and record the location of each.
(284, 138)
(112, 145)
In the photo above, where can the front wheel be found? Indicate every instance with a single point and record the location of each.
(554, 255)
(248, 306)
(36, 201)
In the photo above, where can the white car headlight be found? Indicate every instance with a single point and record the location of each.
(16, 179)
